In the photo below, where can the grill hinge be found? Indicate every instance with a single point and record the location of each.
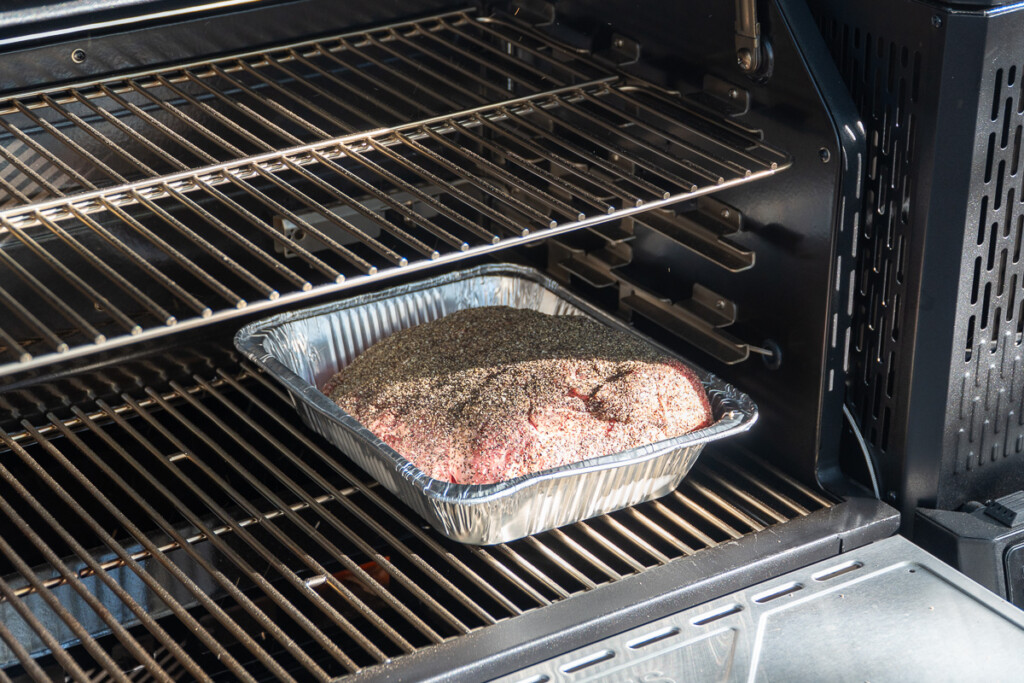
(748, 37)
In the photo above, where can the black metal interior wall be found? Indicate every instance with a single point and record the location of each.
(797, 224)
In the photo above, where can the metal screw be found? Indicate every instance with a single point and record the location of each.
(78, 55)
(936, 21)
(619, 42)
(745, 59)
(733, 93)
(726, 213)
(720, 305)
(824, 155)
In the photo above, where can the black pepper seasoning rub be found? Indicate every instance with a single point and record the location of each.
(488, 394)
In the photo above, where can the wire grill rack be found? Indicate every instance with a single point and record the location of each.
(147, 203)
(197, 531)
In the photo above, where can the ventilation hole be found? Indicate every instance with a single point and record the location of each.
(720, 613)
(900, 260)
(904, 57)
(997, 94)
(1010, 196)
(969, 344)
(990, 157)
(1015, 158)
(588, 661)
(982, 220)
(653, 637)
(997, 320)
(1011, 300)
(833, 572)
(911, 134)
(539, 678)
(986, 302)
(1011, 75)
(890, 379)
(1000, 176)
(1007, 117)
(886, 281)
(885, 427)
(779, 592)
(993, 240)
(977, 280)
(1020, 233)
(896, 319)
(1001, 279)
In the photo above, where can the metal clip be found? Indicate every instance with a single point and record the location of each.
(697, 320)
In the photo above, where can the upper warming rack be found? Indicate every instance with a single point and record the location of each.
(151, 201)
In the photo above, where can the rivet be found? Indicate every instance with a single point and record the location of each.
(936, 21)
(745, 59)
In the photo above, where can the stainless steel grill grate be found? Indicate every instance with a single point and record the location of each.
(250, 181)
(107, 132)
(199, 532)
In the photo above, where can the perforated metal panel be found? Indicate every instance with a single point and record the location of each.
(937, 376)
(987, 409)
(884, 76)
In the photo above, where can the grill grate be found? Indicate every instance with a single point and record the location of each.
(145, 124)
(199, 532)
(475, 136)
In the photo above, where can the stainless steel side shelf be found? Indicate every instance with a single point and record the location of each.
(262, 178)
(887, 611)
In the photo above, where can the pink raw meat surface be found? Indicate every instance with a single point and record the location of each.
(489, 394)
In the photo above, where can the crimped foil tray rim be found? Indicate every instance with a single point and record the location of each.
(248, 340)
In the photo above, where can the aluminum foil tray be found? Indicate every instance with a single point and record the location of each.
(303, 349)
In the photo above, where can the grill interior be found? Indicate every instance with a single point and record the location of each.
(199, 530)
(193, 528)
(203, 190)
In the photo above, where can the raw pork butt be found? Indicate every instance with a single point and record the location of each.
(489, 394)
